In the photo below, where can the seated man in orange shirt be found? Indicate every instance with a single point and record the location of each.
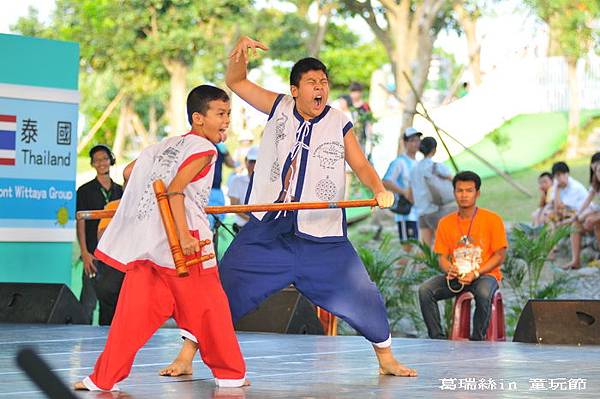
(471, 245)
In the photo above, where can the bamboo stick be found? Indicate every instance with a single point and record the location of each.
(288, 206)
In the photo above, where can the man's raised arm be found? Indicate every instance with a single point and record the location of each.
(236, 76)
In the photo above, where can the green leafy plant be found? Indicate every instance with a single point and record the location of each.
(525, 260)
(380, 263)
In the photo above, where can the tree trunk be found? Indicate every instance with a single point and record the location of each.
(407, 36)
(315, 44)
(177, 113)
(107, 111)
(152, 124)
(124, 127)
(574, 111)
(468, 23)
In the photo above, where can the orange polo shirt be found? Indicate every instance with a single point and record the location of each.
(487, 232)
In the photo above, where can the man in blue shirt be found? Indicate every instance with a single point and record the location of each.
(397, 180)
(426, 170)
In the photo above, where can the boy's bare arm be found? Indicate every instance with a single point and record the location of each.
(127, 171)
(365, 172)
(189, 245)
(236, 76)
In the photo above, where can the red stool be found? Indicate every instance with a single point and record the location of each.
(461, 318)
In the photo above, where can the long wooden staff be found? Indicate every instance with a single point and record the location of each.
(287, 206)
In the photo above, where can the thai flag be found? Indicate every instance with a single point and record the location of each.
(8, 140)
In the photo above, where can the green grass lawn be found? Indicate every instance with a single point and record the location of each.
(514, 206)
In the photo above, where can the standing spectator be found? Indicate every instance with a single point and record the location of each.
(94, 195)
(362, 117)
(545, 187)
(472, 234)
(397, 180)
(587, 218)
(217, 198)
(425, 171)
(238, 187)
(569, 194)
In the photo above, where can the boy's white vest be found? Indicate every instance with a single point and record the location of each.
(136, 232)
(319, 173)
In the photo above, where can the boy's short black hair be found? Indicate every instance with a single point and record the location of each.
(559, 167)
(303, 66)
(199, 97)
(428, 144)
(545, 174)
(467, 175)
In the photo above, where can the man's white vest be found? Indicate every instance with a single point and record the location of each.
(319, 172)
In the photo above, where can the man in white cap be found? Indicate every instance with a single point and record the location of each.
(239, 185)
(397, 180)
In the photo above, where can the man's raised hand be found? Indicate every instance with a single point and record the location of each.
(240, 51)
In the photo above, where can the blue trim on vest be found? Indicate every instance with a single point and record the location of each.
(346, 128)
(275, 104)
(316, 119)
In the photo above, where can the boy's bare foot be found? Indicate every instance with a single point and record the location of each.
(388, 365)
(79, 386)
(182, 365)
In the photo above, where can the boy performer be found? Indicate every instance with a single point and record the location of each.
(135, 242)
(301, 158)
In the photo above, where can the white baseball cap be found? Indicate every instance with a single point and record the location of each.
(252, 153)
(411, 131)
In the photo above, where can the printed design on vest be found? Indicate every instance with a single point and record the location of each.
(329, 154)
(200, 197)
(164, 164)
(326, 189)
(275, 171)
(280, 128)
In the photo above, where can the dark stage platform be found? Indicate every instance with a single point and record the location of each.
(300, 366)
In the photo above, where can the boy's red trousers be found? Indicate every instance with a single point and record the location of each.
(149, 296)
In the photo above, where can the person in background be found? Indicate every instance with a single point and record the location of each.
(238, 187)
(217, 198)
(94, 195)
(422, 198)
(477, 236)
(361, 117)
(397, 180)
(545, 187)
(569, 194)
(587, 218)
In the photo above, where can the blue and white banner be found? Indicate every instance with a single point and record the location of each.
(38, 160)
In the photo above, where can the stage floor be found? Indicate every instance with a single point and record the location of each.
(300, 366)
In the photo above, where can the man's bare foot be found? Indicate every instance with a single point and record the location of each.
(388, 365)
(79, 386)
(182, 365)
(177, 368)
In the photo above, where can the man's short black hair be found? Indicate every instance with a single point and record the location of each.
(428, 144)
(303, 66)
(467, 175)
(559, 167)
(545, 174)
(199, 97)
(106, 149)
(355, 86)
